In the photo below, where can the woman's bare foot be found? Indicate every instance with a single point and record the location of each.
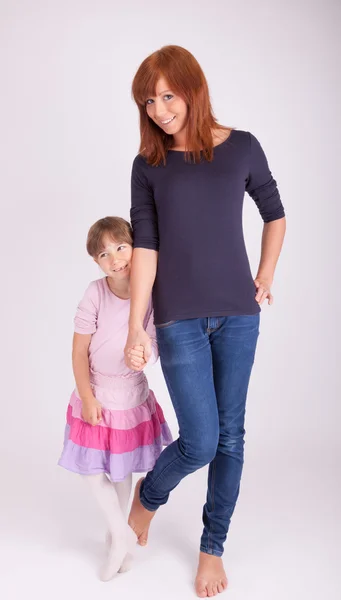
(211, 577)
(140, 518)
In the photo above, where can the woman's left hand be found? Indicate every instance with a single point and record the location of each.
(263, 291)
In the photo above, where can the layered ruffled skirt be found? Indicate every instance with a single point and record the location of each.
(130, 436)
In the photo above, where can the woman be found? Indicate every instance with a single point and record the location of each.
(188, 184)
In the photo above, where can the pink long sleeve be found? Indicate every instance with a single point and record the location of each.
(85, 320)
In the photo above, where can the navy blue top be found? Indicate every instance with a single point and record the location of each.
(192, 214)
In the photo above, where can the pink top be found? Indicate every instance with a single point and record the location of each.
(105, 316)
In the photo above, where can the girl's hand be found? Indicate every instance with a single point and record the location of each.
(138, 342)
(263, 291)
(91, 411)
(135, 358)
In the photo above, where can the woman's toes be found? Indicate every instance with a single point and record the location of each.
(143, 539)
(201, 591)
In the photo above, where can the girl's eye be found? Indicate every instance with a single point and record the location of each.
(149, 101)
(121, 248)
(168, 96)
(104, 255)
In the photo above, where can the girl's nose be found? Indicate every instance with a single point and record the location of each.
(113, 262)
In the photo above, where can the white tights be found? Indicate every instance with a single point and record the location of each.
(113, 499)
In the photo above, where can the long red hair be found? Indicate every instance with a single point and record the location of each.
(186, 78)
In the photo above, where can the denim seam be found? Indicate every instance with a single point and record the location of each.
(171, 393)
(183, 433)
(151, 485)
(211, 530)
(146, 507)
(213, 552)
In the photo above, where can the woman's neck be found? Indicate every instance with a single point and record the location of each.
(219, 135)
(179, 140)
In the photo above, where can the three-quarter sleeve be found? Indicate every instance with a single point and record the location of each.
(261, 186)
(143, 213)
(85, 320)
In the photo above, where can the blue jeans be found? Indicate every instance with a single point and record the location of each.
(207, 364)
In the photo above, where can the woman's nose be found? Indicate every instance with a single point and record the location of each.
(159, 109)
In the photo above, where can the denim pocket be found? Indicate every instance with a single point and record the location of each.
(164, 325)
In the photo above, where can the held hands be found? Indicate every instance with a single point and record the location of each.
(263, 291)
(135, 358)
(91, 411)
(138, 350)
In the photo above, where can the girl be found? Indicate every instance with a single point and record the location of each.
(114, 424)
(188, 185)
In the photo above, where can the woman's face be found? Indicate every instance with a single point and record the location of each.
(166, 109)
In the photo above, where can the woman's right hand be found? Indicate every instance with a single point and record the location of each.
(91, 411)
(136, 338)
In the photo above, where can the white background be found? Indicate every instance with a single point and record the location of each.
(69, 133)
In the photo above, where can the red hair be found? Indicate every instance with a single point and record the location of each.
(186, 78)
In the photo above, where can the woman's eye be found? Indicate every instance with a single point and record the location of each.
(121, 248)
(104, 255)
(149, 101)
(168, 96)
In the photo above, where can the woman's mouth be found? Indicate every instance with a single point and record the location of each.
(168, 121)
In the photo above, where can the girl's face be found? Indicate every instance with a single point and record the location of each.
(166, 109)
(115, 259)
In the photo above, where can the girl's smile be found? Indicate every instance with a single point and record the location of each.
(115, 259)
